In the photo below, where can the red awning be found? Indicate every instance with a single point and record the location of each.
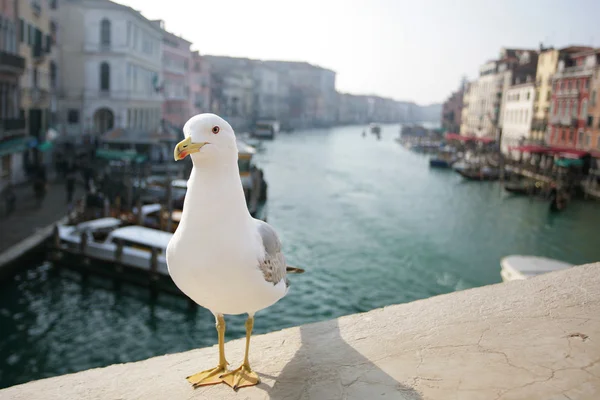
(456, 136)
(567, 152)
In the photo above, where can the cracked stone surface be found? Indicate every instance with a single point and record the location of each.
(534, 339)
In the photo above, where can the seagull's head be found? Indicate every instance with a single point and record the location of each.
(207, 136)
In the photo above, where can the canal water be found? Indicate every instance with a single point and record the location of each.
(370, 221)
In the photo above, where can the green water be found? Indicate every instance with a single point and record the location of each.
(371, 223)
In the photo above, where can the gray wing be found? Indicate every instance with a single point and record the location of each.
(273, 266)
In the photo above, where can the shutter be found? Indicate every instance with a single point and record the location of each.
(22, 30)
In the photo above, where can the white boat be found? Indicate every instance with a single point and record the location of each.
(267, 129)
(517, 267)
(103, 237)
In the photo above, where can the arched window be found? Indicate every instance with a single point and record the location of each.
(104, 76)
(584, 112)
(105, 32)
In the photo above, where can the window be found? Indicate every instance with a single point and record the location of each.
(528, 95)
(584, 112)
(570, 136)
(105, 32)
(569, 85)
(35, 78)
(22, 31)
(53, 74)
(590, 121)
(593, 99)
(548, 95)
(580, 138)
(574, 109)
(587, 83)
(73, 116)
(52, 4)
(104, 76)
(588, 139)
(48, 43)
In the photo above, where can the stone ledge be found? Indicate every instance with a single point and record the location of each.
(534, 339)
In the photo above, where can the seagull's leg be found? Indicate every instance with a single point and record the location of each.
(213, 376)
(243, 375)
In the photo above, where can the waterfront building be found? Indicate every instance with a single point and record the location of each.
(38, 79)
(178, 100)
(110, 73)
(518, 114)
(570, 121)
(12, 118)
(466, 107)
(452, 110)
(487, 95)
(312, 94)
(546, 68)
(594, 113)
(199, 84)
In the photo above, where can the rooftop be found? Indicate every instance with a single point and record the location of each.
(530, 339)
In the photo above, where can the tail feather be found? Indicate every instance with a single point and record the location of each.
(294, 270)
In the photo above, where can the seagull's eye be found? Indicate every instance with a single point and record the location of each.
(215, 129)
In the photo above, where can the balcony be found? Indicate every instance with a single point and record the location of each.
(568, 93)
(37, 95)
(11, 63)
(567, 121)
(11, 127)
(574, 71)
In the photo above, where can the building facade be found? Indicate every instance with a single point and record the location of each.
(177, 58)
(570, 121)
(594, 112)
(12, 119)
(110, 68)
(36, 82)
(518, 114)
(483, 107)
(546, 68)
(266, 92)
(199, 84)
(452, 110)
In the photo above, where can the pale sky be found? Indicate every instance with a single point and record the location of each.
(408, 50)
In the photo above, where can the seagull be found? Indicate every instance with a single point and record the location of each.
(219, 256)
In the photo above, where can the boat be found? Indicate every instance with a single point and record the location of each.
(108, 240)
(518, 187)
(519, 267)
(250, 140)
(253, 183)
(375, 129)
(266, 129)
(484, 173)
(445, 159)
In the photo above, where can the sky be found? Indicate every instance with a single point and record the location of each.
(408, 50)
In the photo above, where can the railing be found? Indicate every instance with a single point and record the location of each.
(567, 92)
(11, 62)
(577, 70)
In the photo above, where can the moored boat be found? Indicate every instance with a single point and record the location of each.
(484, 173)
(519, 267)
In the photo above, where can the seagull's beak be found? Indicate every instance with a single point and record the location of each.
(186, 147)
